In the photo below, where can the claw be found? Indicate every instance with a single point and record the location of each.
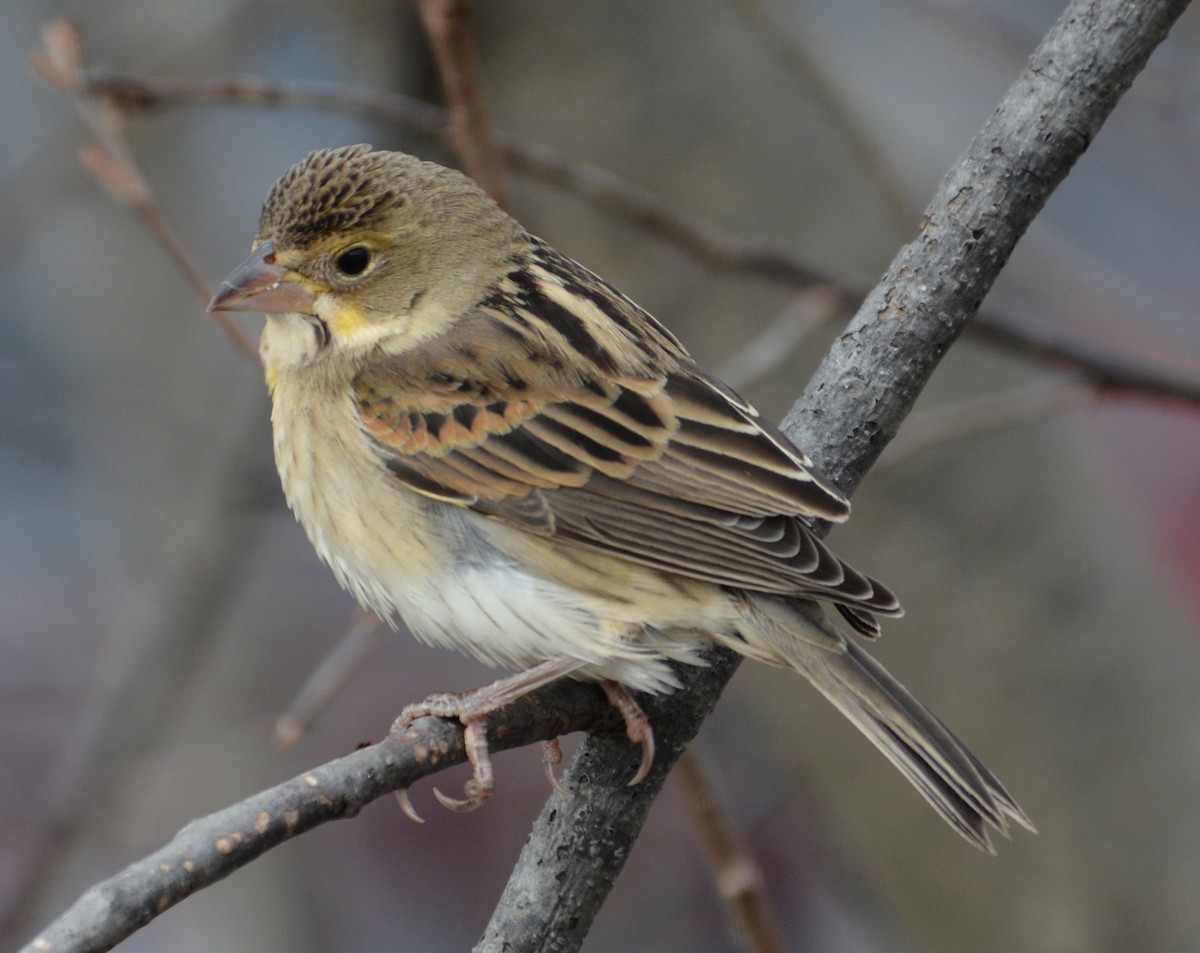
(472, 710)
(464, 805)
(551, 756)
(554, 782)
(647, 744)
(637, 725)
(406, 806)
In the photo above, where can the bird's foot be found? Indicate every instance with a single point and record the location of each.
(637, 725)
(472, 710)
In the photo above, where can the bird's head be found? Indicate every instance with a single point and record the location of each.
(358, 249)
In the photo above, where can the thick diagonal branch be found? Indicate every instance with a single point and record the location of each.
(853, 407)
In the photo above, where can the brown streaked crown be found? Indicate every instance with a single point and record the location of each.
(332, 190)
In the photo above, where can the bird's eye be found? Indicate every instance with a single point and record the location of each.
(353, 261)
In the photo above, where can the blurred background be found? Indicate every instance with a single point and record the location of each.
(159, 608)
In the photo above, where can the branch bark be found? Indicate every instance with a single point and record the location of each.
(854, 405)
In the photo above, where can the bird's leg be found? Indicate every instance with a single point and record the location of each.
(637, 728)
(637, 725)
(472, 709)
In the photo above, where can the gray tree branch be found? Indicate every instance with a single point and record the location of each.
(211, 848)
(851, 409)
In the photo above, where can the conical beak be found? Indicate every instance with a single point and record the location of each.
(259, 284)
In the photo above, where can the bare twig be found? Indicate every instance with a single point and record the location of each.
(739, 879)
(708, 244)
(774, 344)
(987, 412)
(329, 678)
(1107, 368)
(110, 160)
(447, 25)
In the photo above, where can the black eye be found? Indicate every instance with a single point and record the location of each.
(353, 261)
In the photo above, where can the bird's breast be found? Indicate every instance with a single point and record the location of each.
(374, 533)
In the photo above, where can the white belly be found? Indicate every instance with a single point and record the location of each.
(485, 606)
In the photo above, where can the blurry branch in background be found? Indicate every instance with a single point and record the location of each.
(984, 413)
(774, 343)
(738, 878)
(447, 27)
(328, 678)
(708, 244)
(1105, 369)
(60, 63)
(1108, 370)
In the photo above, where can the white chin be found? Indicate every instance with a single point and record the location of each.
(289, 340)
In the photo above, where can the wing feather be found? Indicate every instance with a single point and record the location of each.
(654, 461)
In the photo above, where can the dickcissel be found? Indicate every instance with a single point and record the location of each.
(482, 437)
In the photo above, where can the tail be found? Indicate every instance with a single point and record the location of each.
(965, 793)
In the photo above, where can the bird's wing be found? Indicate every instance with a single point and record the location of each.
(670, 470)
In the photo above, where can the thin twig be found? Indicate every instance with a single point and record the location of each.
(1108, 368)
(773, 345)
(710, 245)
(739, 879)
(447, 26)
(351, 650)
(984, 413)
(110, 160)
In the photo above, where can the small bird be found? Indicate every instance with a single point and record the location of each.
(485, 439)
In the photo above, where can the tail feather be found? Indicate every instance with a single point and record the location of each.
(964, 792)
